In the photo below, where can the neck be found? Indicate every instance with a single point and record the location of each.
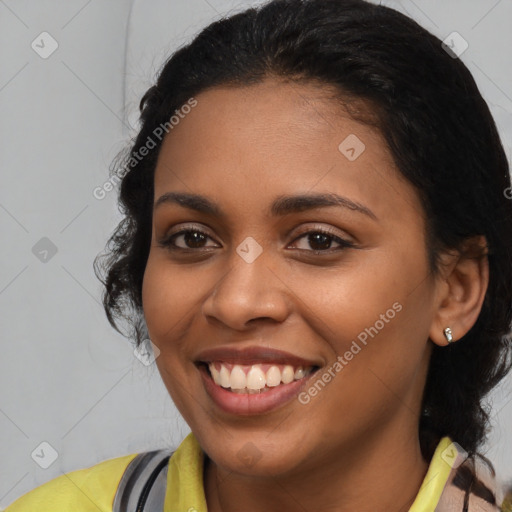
(384, 472)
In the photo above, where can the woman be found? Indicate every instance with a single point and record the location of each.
(316, 241)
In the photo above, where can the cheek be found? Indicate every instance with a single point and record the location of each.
(354, 299)
(169, 304)
(377, 318)
(168, 300)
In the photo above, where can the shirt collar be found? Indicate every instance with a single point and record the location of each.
(185, 490)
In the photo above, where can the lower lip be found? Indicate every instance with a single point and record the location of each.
(249, 404)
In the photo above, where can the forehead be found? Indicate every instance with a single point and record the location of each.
(246, 145)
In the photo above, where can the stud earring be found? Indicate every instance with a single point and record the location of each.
(448, 335)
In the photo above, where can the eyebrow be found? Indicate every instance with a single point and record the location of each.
(282, 205)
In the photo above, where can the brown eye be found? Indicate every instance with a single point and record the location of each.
(191, 239)
(321, 241)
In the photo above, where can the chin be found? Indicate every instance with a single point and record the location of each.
(254, 455)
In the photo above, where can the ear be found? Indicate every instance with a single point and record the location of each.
(461, 288)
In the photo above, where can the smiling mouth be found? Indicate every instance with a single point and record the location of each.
(255, 378)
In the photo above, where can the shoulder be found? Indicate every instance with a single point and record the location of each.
(475, 482)
(85, 490)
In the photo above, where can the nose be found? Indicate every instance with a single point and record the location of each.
(248, 293)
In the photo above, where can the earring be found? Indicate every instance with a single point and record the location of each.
(448, 335)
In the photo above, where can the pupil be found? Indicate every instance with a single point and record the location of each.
(193, 238)
(318, 238)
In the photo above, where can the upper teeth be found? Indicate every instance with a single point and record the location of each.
(253, 376)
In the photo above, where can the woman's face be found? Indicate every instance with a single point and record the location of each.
(344, 289)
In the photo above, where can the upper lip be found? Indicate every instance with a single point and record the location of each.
(252, 355)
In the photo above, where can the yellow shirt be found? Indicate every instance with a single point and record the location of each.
(93, 489)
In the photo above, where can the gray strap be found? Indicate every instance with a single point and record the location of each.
(156, 496)
(139, 480)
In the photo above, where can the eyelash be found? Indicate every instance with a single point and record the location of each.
(168, 242)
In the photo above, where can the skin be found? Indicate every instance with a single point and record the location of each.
(355, 445)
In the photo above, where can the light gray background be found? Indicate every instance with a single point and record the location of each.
(66, 378)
